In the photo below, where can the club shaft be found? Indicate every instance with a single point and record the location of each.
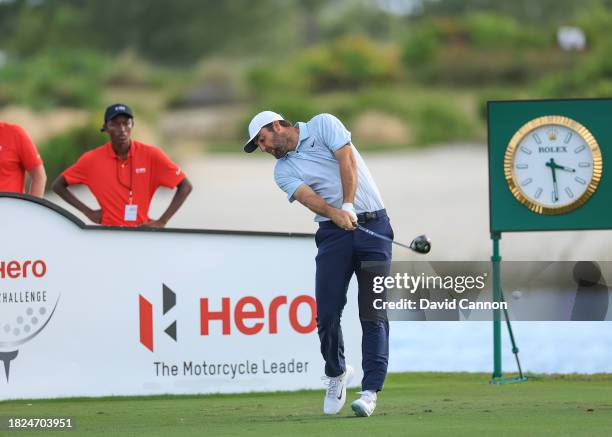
(376, 234)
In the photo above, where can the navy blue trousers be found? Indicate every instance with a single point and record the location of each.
(340, 254)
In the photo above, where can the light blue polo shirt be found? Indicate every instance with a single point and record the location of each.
(314, 163)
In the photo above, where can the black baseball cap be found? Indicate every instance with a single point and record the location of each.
(115, 110)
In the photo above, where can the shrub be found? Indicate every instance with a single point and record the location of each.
(492, 31)
(349, 63)
(372, 99)
(262, 79)
(54, 78)
(265, 79)
(460, 65)
(429, 118)
(596, 22)
(441, 121)
(585, 77)
(421, 46)
(211, 83)
(344, 64)
(129, 70)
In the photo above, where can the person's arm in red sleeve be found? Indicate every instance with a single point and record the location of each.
(76, 174)
(182, 191)
(60, 186)
(38, 180)
(167, 174)
(33, 164)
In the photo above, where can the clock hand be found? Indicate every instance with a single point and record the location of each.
(562, 167)
(551, 164)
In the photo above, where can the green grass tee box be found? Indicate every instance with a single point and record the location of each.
(419, 404)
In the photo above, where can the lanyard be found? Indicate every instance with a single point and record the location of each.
(130, 186)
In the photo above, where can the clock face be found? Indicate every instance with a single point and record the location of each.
(552, 165)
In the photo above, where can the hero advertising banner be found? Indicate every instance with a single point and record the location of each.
(86, 311)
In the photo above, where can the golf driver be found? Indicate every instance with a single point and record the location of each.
(420, 244)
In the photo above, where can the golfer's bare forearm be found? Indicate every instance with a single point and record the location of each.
(311, 200)
(348, 172)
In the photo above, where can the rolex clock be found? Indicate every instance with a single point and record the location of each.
(552, 165)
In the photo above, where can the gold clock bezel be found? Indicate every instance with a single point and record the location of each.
(509, 170)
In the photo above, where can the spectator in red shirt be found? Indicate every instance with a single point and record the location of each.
(123, 176)
(18, 156)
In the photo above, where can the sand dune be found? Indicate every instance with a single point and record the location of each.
(442, 192)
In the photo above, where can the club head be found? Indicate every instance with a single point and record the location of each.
(421, 244)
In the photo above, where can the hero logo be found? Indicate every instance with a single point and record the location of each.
(15, 269)
(250, 315)
(146, 317)
(241, 314)
(27, 305)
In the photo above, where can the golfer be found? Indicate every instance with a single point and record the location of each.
(123, 175)
(318, 165)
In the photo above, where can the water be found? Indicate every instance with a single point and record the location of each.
(544, 347)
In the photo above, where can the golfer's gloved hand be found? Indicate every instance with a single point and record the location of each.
(348, 207)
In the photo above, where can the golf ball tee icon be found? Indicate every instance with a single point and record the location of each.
(20, 327)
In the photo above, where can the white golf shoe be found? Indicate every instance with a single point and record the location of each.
(335, 396)
(364, 406)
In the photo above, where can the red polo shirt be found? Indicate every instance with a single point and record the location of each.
(111, 179)
(18, 154)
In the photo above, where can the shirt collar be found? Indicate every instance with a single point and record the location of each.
(304, 134)
(112, 154)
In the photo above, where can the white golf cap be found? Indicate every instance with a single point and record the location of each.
(259, 121)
